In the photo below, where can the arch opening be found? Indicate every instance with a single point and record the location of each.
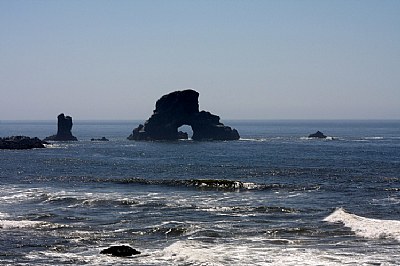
(186, 129)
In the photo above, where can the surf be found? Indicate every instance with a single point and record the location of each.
(366, 227)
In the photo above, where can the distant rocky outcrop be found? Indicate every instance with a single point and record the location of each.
(102, 139)
(64, 126)
(182, 108)
(120, 251)
(318, 135)
(21, 143)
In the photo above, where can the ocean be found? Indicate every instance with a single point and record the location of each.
(274, 197)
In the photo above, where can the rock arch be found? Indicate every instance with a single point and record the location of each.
(180, 108)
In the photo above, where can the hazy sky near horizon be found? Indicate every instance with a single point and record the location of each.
(247, 59)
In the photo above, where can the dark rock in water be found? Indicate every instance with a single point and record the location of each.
(120, 251)
(64, 127)
(21, 143)
(216, 183)
(182, 108)
(318, 135)
(102, 139)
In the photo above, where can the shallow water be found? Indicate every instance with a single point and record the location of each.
(275, 197)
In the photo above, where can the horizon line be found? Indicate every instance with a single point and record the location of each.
(227, 119)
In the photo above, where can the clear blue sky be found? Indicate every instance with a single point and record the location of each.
(248, 59)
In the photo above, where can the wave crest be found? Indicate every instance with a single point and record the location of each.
(366, 227)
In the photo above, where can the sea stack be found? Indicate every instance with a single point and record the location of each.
(64, 126)
(180, 108)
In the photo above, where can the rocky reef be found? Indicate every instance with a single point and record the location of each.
(64, 126)
(21, 143)
(180, 108)
(101, 139)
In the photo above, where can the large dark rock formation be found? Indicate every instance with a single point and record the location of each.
(318, 135)
(64, 127)
(182, 108)
(120, 251)
(21, 143)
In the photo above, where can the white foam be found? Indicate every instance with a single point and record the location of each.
(55, 146)
(366, 227)
(389, 201)
(250, 185)
(327, 138)
(4, 215)
(240, 252)
(7, 224)
(191, 252)
(374, 138)
(260, 252)
(255, 139)
(10, 194)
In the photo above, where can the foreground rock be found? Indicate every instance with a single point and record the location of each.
(120, 251)
(318, 135)
(64, 126)
(182, 108)
(21, 143)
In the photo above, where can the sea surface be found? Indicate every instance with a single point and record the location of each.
(274, 197)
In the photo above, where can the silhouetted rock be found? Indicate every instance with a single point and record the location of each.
(64, 126)
(102, 139)
(182, 108)
(318, 135)
(21, 143)
(120, 251)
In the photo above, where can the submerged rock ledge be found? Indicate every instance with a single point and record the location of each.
(180, 108)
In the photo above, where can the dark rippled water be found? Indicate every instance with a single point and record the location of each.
(274, 197)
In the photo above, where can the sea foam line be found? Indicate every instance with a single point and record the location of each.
(7, 224)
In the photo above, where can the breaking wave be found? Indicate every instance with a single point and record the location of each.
(366, 227)
(7, 224)
(218, 184)
(327, 138)
(373, 138)
(11, 224)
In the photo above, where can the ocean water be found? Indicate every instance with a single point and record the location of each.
(274, 197)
